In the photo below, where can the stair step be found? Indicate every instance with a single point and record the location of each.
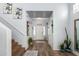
(15, 49)
(20, 52)
(14, 44)
(13, 40)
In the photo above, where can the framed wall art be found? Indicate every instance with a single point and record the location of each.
(7, 8)
(17, 13)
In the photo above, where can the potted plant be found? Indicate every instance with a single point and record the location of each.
(62, 47)
(67, 43)
(30, 42)
(66, 46)
(77, 46)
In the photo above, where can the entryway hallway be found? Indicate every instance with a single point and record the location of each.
(43, 31)
(44, 49)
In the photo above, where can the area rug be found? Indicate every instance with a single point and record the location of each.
(40, 42)
(31, 53)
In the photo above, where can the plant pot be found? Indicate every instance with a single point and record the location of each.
(62, 50)
(31, 44)
(68, 50)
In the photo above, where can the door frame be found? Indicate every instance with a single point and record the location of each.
(75, 34)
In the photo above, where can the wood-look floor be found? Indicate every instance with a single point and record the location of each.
(45, 50)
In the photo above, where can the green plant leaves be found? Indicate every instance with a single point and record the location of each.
(66, 45)
(30, 41)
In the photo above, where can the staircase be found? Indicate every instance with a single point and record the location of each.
(17, 50)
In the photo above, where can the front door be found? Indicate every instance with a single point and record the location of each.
(39, 33)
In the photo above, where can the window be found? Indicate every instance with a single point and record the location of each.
(34, 31)
(44, 30)
(75, 7)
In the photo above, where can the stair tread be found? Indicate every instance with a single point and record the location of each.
(20, 52)
(17, 50)
(14, 44)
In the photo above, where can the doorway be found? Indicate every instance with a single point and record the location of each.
(39, 21)
(39, 32)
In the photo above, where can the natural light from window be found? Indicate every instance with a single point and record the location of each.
(75, 8)
(44, 30)
(34, 31)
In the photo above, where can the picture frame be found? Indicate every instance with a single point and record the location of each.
(7, 8)
(17, 13)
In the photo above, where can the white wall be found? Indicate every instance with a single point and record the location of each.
(5, 40)
(50, 32)
(60, 12)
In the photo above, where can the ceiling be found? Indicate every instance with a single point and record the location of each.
(39, 14)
